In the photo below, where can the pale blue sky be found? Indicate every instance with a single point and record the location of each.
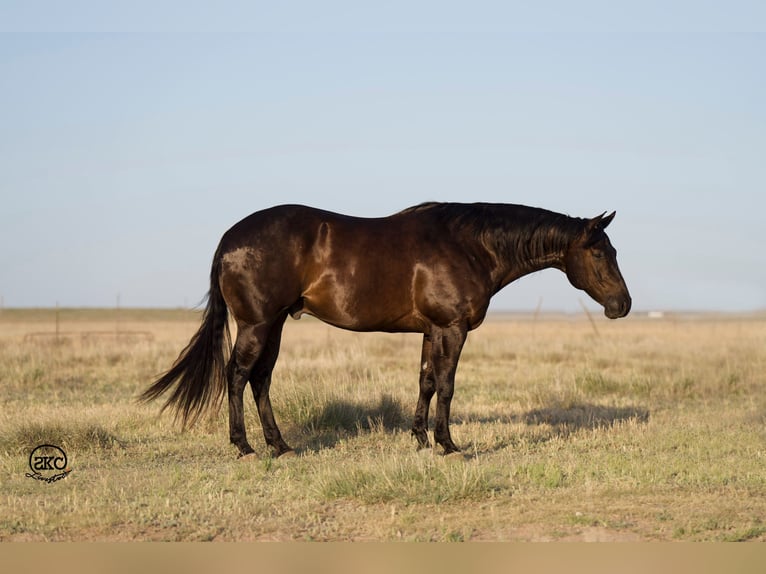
(129, 143)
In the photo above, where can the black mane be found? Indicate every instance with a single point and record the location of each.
(532, 233)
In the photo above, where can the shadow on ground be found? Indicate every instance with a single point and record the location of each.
(340, 419)
(584, 416)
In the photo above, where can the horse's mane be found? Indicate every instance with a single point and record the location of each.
(529, 232)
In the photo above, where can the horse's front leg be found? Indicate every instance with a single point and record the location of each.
(446, 345)
(427, 389)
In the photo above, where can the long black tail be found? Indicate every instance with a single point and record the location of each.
(199, 373)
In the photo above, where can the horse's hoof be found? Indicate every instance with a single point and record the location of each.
(288, 454)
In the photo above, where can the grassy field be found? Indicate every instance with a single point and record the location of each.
(648, 430)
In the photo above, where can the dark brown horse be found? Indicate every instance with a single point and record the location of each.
(429, 269)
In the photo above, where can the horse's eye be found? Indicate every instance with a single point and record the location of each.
(598, 254)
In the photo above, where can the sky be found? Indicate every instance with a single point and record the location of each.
(132, 135)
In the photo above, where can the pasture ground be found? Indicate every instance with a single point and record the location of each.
(650, 430)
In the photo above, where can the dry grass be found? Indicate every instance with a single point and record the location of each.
(652, 431)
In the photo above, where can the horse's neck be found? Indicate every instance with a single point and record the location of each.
(544, 247)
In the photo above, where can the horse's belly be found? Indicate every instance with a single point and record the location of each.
(359, 315)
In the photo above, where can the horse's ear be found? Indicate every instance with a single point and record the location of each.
(600, 222)
(605, 221)
(595, 227)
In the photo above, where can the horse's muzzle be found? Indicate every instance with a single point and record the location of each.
(618, 307)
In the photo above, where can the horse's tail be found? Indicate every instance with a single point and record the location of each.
(199, 373)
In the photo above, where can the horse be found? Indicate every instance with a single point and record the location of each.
(429, 269)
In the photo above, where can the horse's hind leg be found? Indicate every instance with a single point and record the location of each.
(260, 382)
(244, 356)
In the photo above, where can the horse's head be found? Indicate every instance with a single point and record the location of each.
(591, 265)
